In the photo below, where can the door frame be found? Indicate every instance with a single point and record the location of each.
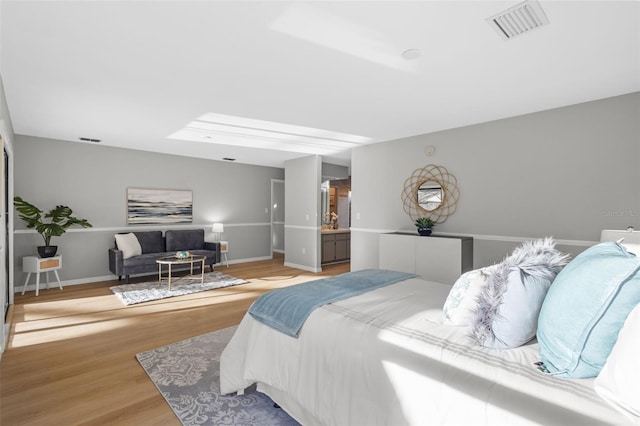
(6, 233)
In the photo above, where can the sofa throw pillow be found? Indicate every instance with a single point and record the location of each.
(585, 309)
(461, 302)
(507, 308)
(128, 244)
(618, 380)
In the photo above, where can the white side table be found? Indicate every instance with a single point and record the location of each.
(35, 264)
(224, 248)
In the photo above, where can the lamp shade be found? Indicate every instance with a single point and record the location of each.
(217, 227)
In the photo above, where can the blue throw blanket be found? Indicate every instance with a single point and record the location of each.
(287, 309)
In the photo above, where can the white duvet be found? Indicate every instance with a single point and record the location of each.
(384, 358)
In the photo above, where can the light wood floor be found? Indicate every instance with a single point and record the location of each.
(71, 355)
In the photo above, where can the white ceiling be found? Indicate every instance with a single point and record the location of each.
(132, 73)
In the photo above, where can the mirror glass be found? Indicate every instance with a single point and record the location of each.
(335, 204)
(429, 195)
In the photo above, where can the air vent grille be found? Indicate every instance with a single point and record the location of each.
(90, 140)
(519, 19)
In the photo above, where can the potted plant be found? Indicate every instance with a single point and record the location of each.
(59, 220)
(424, 225)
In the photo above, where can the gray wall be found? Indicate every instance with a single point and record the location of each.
(334, 171)
(567, 173)
(302, 208)
(92, 180)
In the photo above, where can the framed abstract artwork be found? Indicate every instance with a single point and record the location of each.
(159, 206)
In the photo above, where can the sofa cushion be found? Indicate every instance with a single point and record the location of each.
(150, 241)
(184, 239)
(144, 259)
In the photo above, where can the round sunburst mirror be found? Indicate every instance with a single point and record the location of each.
(431, 192)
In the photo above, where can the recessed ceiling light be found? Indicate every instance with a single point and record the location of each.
(411, 54)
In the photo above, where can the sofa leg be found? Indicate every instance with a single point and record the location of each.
(127, 279)
(211, 267)
(119, 277)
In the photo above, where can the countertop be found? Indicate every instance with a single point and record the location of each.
(335, 231)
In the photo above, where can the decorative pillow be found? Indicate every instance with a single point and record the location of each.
(618, 380)
(631, 248)
(506, 314)
(585, 309)
(461, 302)
(129, 245)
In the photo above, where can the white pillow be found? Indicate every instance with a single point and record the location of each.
(507, 308)
(632, 248)
(461, 302)
(129, 245)
(618, 380)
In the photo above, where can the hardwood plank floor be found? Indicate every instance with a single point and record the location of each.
(71, 355)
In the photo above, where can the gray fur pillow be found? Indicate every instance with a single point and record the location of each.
(507, 309)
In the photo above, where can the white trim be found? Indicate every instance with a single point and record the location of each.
(144, 228)
(7, 145)
(483, 237)
(69, 282)
(310, 228)
(304, 268)
(245, 260)
(582, 243)
(277, 251)
(278, 223)
(374, 231)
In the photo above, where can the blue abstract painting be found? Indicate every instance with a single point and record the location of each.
(146, 206)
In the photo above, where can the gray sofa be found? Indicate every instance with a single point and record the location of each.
(155, 245)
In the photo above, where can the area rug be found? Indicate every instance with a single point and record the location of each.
(187, 374)
(131, 294)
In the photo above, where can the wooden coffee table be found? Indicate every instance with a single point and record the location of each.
(171, 261)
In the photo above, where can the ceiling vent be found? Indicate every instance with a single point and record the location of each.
(519, 19)
(90, 140)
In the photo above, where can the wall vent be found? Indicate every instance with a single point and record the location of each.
(90, 140)
(519, 19)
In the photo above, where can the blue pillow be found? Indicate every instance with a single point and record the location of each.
(585, 309)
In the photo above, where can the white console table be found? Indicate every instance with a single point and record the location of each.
(35, 264)
(435, 258)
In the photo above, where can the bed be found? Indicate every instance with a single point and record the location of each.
(384, 357)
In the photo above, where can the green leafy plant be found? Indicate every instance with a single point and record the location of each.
(60, 219)
(424, 223)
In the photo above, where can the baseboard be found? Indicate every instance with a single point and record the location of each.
(246, 260)
(303, 267)
(54, 284)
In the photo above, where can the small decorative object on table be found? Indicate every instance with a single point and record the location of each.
(183, 254)
(424, 225)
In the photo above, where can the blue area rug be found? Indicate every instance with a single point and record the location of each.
(187, 374)
(131, 294)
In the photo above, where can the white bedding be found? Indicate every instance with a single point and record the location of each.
(384, 358)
